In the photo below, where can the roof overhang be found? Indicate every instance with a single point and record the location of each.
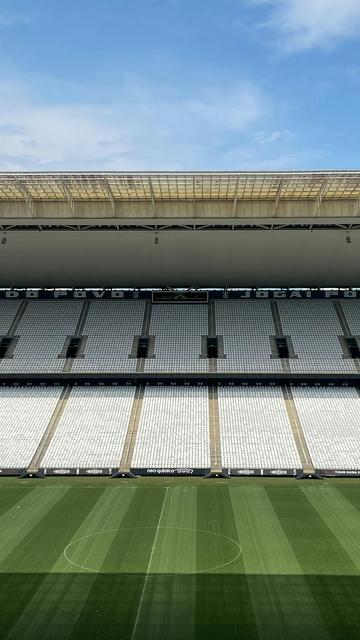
(155, 229)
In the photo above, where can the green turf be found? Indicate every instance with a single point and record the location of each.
(188, 558)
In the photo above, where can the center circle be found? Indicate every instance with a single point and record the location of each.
(152, 550)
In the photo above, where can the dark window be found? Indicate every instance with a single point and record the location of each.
(4, 347)
(73, 348)
(143, 347)
(212, 347)
(353, 347)
(282, 347)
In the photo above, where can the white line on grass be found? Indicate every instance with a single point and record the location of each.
(148, 567)
(173, 573)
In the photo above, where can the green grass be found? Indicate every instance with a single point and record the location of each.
(187, 558)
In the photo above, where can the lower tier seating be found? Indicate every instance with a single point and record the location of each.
(24, 415)
(173, 427)
(92, 429)
(255, 428)
(330, 419)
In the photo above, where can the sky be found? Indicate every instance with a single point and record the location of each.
(179, 85)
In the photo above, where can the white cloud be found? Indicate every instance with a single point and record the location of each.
(264, 137)
(305, 24)
(142, 128)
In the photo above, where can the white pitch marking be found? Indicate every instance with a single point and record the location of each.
(148, 567)
(97, 533)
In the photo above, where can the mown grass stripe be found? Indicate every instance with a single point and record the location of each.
(223, 603)
(17, 523)
(29, 563)
(113, 598)
(89, 544)
(340, 516)
(326, 565)
(308, 534)
(106, 513)
(136, 632)
(44, 543)
(282, 600)
(175, 551)
(9, 499)
(266, 549)
(17, 585)
(351, 492)
(172, 580)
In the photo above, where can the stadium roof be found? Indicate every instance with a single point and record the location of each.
(172, 186)
(154, 229)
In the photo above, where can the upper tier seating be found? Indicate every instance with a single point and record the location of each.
(110, 328)
(246, 329)
(246, 326)
(178, 329)
(42, 330)
(315, 329)
(8, 311)
(351, 310)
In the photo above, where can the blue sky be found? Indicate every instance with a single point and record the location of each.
(179, 84)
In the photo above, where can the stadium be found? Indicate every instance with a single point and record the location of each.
(180, 405)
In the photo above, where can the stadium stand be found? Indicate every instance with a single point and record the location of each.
(110, 328)
(255, 428)
(330, 418)
(173, 428)
(92, 428)
(109, 331)
(24, 416)
(8, 311)
(156, 371)
(178, 330)
(246, 327)
(315, 329)
(351, 309)
(42, 331)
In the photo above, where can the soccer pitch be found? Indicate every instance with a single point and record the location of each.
(179, 558)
